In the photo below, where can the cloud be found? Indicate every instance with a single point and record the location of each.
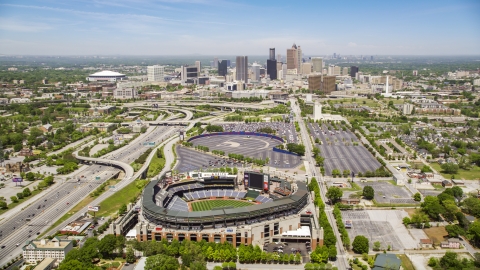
(117, 16)
(14, 25)
(352, 44)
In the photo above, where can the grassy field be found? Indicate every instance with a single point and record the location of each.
(156, 165)
(123, 196)
(472, 174)
(210, 204)
(436, 234)
(406, 263)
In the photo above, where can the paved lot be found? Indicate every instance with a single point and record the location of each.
(384, 226)
(284, 130)
(191, 160)
(340, 152)
(251, 146)
(290, 248)
(385, 192)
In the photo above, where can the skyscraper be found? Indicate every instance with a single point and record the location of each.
(299, 60)
(292, 56)
(222, 67)
(353, 71)
(256, 72)
(215, 62)
(242, 68)
(317, 63)
(272, 54)
(198, 64)
(155, 73)
(272, 65)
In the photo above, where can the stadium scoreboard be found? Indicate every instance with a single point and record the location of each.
(256, 180)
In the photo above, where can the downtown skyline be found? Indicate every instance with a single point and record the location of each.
(185, 27)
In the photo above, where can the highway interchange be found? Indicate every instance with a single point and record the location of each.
(59, 200)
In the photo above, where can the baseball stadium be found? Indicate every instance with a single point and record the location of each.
(219, 207)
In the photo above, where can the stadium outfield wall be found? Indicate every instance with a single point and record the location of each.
(238, 133)
(160, 215)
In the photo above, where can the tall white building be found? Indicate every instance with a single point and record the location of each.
(256, 72)
(317, 63)
(317, 111)
(299, 60)
(155, 73)
(198, 64)
(284, 72)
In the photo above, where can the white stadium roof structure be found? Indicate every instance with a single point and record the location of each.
(106, 73)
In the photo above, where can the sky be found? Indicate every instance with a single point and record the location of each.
(228, 27)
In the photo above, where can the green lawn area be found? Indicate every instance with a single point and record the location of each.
(210, 204)
(472, 174)
(156, 165)
(406, 263)
(123, 196)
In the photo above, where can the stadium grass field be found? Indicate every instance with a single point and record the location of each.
(207, 205)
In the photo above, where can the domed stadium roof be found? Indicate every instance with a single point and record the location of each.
(106, 73)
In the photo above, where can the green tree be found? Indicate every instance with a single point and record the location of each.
(107, 245)
(431, 205)
(130, 255)
(26, 192)
(474, 232)
(417, 197)
(123, 209)
(162, 262)
(334, 194)
(376, 245)
(454, 230)
(432, 262)
(14, 199)
(3, 205)
(72, 265)
(368, 192)
(449, 168)
(360, 244)
(30, 176)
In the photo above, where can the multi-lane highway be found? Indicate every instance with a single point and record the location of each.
(39, 216)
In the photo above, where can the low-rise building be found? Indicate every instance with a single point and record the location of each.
(101, 110)
(426, 243)
(102, 127)
(46, 264)
(46, 128)
(451, 243)
(37, 250)
(25, 152)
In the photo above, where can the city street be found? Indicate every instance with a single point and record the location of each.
(342, 256)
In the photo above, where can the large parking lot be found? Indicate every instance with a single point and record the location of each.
(251, 146)
(284, 130)
(342, 150)
(386, 192)
(191, 160)
(384, 226)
